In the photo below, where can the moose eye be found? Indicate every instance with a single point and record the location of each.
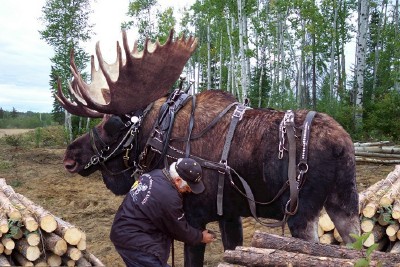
(114, 125)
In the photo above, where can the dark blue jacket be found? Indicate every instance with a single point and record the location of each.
(150, 216)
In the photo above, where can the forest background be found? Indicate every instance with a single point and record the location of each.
(278, 54)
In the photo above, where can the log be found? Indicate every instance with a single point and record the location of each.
(372, 206)
(54, 243)
(21, 260)
(32, 253)
(391, 230)
(376, 235)
(46, 220)
(375, 160)
(74, 253)
(7, 251)
(396, 247)
(4, 261)
(392, 194)
(53, 259)
(83, 262)
(92, 259)
(327, 238)
(296, 245)
(377, 155)
(224, 264)
(82, 243)
(66, 261)
(33, 238)
(1, 248)
(396, 209)
(377, 149)
(8, 243)
(378, 143)
(11, 211)
(250, 256)
(70, 233)
(41, 262)
(384, 217)
(337, 236)
(367, 224)
(325, 222)
(3, 222)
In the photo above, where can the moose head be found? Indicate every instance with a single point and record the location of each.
(119, 93)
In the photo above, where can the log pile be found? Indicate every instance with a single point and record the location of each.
(273, 250)
(377, 152)
(32, 236)
(379, 213)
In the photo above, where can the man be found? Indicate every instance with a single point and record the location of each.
(151, 215)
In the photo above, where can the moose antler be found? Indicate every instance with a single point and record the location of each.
(133, 83)
(78, 108)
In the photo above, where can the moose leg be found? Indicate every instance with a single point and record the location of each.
(231, 232)
(342, 207)
(304, 226)
(194, 255)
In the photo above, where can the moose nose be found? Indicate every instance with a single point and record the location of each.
(70, 165)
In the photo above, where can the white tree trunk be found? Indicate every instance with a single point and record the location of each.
(333, 45)
(208, 58)
(397, 52)
(220, 63)
(68, 125)
(243, 61)
(361, 46)
(378, 47)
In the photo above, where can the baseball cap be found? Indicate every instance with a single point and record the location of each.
(190, 171)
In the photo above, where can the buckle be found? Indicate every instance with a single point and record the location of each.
(239, 111)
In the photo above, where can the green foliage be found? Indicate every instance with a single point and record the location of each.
(14, 227)
(13, 140)
(358, 245)
(382, 119)
(28, 120)
(5, 164)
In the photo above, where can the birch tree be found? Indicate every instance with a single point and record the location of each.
(66, 26)
(361, 46)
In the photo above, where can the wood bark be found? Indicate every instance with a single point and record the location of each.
(83, 262)
(3, 222)
(396, 247)
(55, 243)
(32, 253)
(379, 143)
(9, 208)
(296, 245)
(4, 261)
(251, 256)
(376, 155)
(92, 259)
(392, 194)
(379, 149)
(375, 160)
(21, 260)
(66, 261)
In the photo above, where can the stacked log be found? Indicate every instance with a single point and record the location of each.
(273, 250)
(379, 212)
(32, 236)
(377, 152)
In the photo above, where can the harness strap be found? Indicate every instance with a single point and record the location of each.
(210, 125)
(302, 166)
(236, 117)
(191, 124)
(293, 185)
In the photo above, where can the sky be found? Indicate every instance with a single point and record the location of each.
(25, 58)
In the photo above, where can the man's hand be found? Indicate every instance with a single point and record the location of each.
(208, 236)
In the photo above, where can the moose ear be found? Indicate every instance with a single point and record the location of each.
(113, 125)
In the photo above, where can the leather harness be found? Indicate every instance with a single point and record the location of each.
(158, 144)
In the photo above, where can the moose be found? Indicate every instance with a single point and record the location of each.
(259, 162)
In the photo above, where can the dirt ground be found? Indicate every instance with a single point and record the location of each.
(38, 173)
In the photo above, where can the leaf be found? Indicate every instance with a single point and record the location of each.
(362, 263)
